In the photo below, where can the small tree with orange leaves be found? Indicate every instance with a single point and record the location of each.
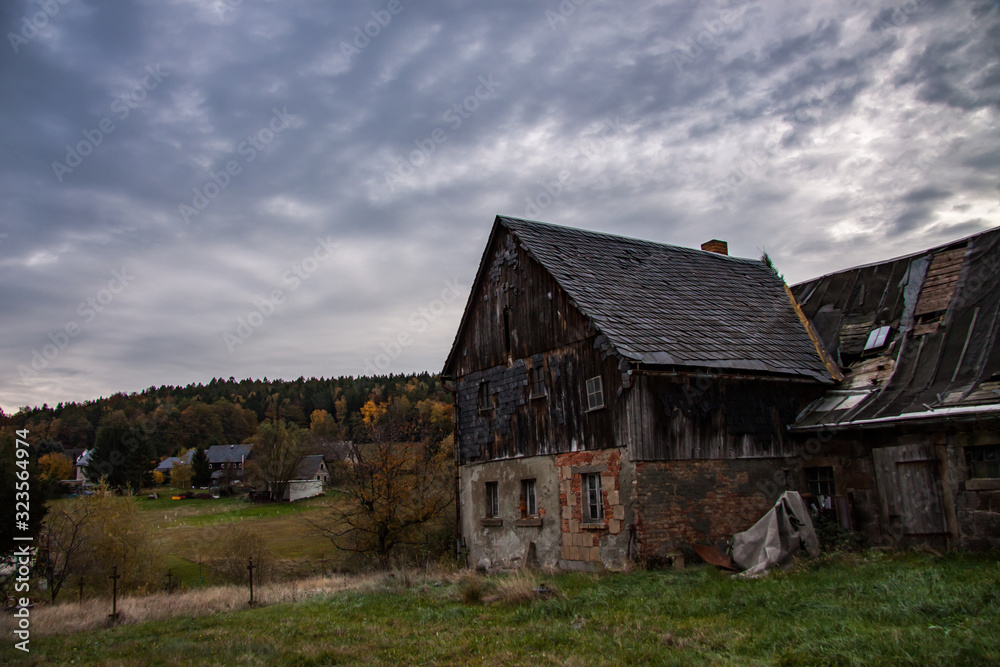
(394, 488)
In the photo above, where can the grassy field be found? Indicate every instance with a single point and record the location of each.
(910, 609)
(188, 532)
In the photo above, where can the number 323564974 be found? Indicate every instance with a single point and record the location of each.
(21, 496)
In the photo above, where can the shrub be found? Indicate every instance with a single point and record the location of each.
(472, 588)
(233, 552)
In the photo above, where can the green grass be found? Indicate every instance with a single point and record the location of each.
(876, 609)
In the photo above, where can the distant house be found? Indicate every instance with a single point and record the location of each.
(310, 477)
(227, 462)
(82, 461)
(167, 465)
(618, 398)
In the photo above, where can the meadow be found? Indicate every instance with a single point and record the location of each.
(853, 609)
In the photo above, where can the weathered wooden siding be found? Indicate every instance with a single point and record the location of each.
(701, 417)
(517, 424)
(539, 314)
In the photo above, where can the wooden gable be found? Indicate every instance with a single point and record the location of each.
(516, 309)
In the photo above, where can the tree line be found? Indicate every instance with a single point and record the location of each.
(131, 431)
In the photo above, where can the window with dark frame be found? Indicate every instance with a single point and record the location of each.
(485, 399)
(536, 374)
(984, 462)
(506, 330)
(492, 500)
(528, 496)
(595, 394)
(819, 481)
(593, 500)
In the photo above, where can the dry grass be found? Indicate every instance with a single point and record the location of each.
(521, 588)
(73, 617)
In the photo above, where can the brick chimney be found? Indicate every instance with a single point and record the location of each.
(715, 245)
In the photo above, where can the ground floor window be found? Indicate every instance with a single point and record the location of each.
(492, 499)
(528, 497)
(984, 461)
(819, 482)
(593, 502)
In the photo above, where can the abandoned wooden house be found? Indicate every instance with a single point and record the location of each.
(907, 447)
(617, 398)
(620, 399)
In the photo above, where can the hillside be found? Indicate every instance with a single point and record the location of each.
(227, 411)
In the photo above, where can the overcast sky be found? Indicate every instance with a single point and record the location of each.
(194, 188)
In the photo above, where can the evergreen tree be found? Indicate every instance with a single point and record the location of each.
(201, 471)
(121, 454)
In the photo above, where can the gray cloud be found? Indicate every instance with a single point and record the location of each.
(830, 135)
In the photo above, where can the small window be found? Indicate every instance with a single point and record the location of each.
(819, 481)
(593, 501)
(537, 376)
(877, 338)
(984, 462)
(506, 330)
(485, 399)
(528, 497)
(595, 394)
(492, 500)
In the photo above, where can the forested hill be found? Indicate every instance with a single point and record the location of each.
(228, 411)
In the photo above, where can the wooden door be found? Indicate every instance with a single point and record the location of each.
(910, 489)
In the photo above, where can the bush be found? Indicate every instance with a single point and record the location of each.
(834, 538)
(233, 552)
(472, 588)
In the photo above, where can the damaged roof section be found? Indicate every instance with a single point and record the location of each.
(917, 336)
(667, 306)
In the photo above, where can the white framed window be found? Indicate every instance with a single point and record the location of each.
(530, 500)
(593, 500)
(595, 394)
(492, 500)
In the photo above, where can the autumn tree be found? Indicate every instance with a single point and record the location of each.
(278, 449)
(53, 466)
(180, 476)
(90, 535)
(201, 469)
(395, 489)
(117, 534)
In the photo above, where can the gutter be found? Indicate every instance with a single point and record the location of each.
(960, 413)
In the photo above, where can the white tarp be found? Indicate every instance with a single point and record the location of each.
(773, 540)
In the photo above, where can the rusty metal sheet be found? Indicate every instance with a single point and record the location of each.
(713, 555)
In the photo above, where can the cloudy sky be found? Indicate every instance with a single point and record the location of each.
(194, 188)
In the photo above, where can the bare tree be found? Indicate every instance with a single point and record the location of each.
(62, 544)
(394, 489)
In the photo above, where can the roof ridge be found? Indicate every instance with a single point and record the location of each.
(916, 253)
(629, 239)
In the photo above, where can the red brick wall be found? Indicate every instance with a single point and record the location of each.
(584, 543)
(690, 502)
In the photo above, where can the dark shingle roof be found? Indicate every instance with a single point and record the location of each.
(665, 305)
(228, 453)
(309, 467)
(941, 358)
